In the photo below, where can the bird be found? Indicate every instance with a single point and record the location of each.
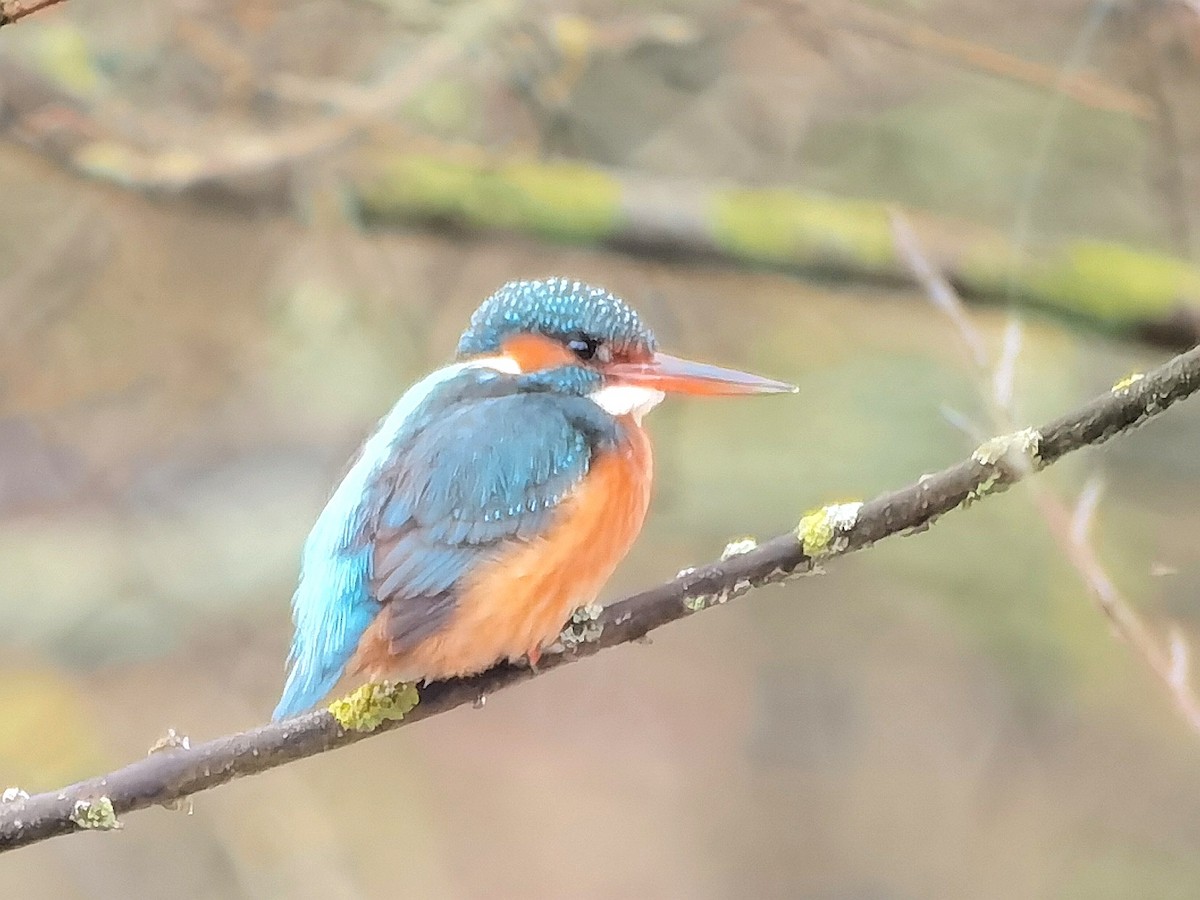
(496, 497)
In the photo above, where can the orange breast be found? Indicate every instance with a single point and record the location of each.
(521, 602)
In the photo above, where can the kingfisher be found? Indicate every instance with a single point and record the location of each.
(494, 499)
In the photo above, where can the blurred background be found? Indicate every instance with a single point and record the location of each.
(233, 231)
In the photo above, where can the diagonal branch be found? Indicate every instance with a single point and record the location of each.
(180, 770)
(1168, 664)
(12, 10)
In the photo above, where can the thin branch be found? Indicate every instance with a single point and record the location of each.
(12, 10)
(1169, 663)
(1082, 88)
(937, 288)
(177, 772)
(1070, 531)
(187, 158)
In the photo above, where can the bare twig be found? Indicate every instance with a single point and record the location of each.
(1081, 88)
(191, 157)
(12, 10)
(937, 288)
(1070, 531)
(175, 773)
(1169, 664)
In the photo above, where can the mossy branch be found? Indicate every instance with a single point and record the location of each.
(1108, 286)
(1105, 285)
(178, 770)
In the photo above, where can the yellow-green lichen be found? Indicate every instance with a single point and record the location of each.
(1128, 381)
(1017, 445)
(822, 531)
(1018, 448)
(697, 603)
(372, 704)
(96, 815)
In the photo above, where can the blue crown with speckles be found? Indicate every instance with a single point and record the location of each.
(558, 308)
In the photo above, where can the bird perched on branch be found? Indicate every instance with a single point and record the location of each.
(496, 497)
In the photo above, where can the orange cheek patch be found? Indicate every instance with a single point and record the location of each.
(535, 352)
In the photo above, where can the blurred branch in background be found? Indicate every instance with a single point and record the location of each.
(1159, 53)
(395, 179)
(12, 10)
(1113, 288)
(180, 770)
(1070, 531)
(1084, 89)
(252, 164)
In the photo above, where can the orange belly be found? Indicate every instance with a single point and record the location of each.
(520, 603)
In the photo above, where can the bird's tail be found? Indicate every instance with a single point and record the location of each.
(331, 610)
(303, 690)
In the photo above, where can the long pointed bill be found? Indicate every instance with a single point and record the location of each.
(673, 375)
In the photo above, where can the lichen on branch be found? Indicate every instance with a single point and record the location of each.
(178, 771)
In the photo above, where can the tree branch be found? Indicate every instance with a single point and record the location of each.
(180, 771)
(1171, 665)
(397, 180)
(11, 10)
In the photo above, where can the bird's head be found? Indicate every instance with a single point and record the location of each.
(594, 343)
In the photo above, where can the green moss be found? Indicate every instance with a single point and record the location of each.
(369, 706)
(1108, 284)
(575, 201)
(559, 201)
(1112, 283)
(97, 815)
(788, 228)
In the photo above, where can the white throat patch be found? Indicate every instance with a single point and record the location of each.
(626, 400)
(501, 363)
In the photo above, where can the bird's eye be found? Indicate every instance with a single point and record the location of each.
(582, 346)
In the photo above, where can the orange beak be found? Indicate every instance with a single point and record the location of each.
(673, 375)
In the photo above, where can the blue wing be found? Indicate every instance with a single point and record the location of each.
(472, 463)
(483, 475)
